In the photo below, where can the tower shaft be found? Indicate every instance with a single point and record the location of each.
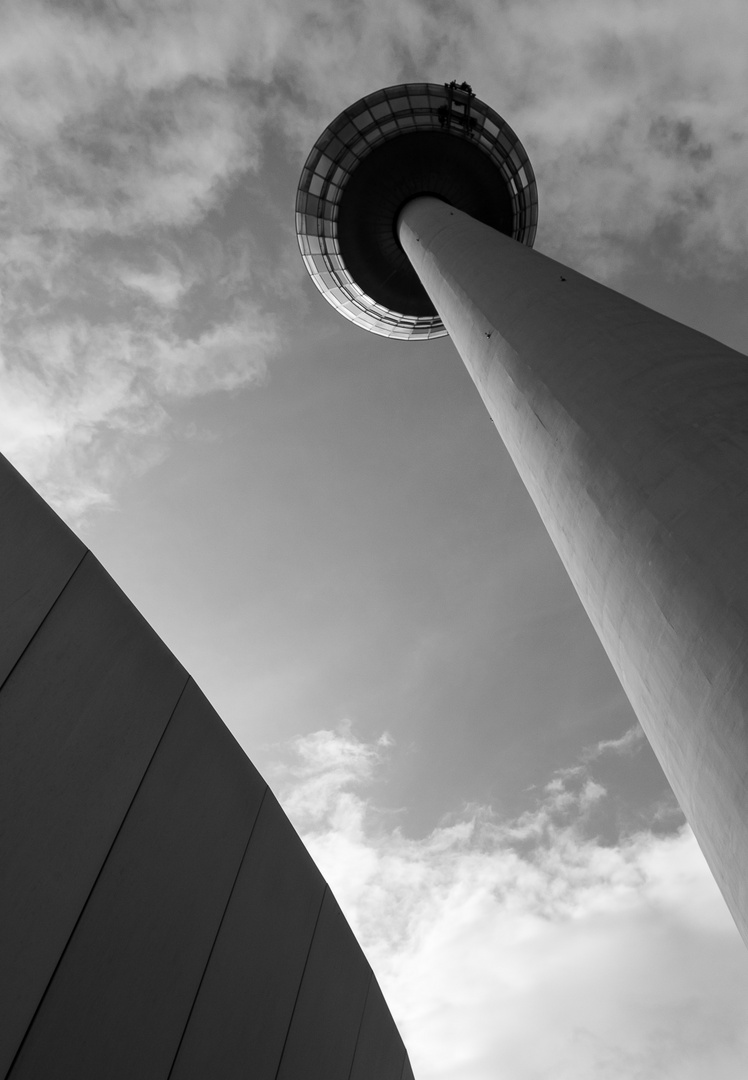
(629, 431)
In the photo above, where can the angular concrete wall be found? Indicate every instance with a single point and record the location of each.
(159, 916)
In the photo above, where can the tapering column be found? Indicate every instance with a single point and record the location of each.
(630, 432)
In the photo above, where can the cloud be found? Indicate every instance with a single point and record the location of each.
(122, 131)
(117, 117)
(627, 744)
(127, 125)
(602, 97)
(129, 113)
(632, 114)
(527, 948)
(86, 399)
(165, 285)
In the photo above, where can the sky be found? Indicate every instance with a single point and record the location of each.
(324, 526)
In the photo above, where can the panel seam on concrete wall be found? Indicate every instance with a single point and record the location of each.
(361, 1021)
(44, 618)
(218, 931)
(406, 1065)
(301, 980)
(96, 879)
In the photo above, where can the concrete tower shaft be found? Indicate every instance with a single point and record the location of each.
(629, 432)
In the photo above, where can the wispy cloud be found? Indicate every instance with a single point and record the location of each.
(627, 744)
(528, 948)
(92, 358)
(122, 131)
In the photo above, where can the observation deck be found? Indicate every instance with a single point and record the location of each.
(374, 158)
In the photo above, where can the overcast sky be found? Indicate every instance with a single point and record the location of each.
(324, 525)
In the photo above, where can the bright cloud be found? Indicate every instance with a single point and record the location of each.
(122, 130)
(528, 948)
(628, 743)
(85, 401)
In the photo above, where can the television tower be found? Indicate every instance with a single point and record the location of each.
(628, 429)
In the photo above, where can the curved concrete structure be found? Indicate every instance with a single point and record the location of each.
(629, 431)
(159, 916)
